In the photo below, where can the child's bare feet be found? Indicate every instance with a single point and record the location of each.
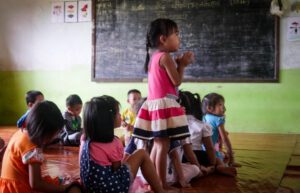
(184, 184)
(207, 170)
(236, 165)
(230, 171)
(170, 189)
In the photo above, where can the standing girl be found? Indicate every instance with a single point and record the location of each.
(101, 152)
(21, 166)
(161, 118)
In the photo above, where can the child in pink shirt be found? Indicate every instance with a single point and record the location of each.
(101, 152)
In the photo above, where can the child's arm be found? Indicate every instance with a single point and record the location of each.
(227, 142)
(124, 124)
(210, 150)
(176, 73)
(177, 166)
(38, 184)
(115, 165)
(190, 155)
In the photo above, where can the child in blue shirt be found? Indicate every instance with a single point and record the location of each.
(214, 114)
(31, 97)
(201, 136)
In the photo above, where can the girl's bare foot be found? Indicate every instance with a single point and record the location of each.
(184, 184)
(230, 171)
(210, 169)
(204, 171)
(236, 165)
(171, 189)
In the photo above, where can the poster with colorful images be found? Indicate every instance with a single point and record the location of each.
(84, 11)
(57, 12)
(293, 29)
(71, 11)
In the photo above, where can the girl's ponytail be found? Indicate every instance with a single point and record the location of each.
(147, 54)
(197, 106)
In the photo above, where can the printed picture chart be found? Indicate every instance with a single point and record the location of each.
(293, 29)
(84, 11)
(57, 12)
(71, 11)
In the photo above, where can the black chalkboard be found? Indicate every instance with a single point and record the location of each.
(233, 40)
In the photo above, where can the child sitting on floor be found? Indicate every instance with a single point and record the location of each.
(128, 116)
(101, 152)
(21, 166)
(213, 109)
(201, 135)
(32, 97)
(72, 130)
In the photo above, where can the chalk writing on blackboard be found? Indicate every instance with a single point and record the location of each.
(233, 40)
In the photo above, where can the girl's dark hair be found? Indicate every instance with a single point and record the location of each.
(73, 100)
(192, 103)
(31, 96)
(99, 117)
(43, 122)
(157, 28)
(210, 101)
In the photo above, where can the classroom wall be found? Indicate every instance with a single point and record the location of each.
(56, 59)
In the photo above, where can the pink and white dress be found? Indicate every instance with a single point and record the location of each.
(160, 115)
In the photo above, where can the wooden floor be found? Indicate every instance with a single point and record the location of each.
(270, 164)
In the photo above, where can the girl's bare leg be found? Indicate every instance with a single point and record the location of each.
(140, 158)
(161, 148)
(222, 169)
(207, 141)
(190, 155)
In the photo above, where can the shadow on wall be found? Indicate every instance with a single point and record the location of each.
(10, 88)
(10, 94)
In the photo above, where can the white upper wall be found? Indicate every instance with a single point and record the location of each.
(29, 41)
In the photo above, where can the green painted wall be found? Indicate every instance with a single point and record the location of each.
(251, 107)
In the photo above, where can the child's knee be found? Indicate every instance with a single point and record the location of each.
(141, 152)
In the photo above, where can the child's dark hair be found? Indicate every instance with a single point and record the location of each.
(99, 117)
(157, 28)
(133, 91)
(192, 103)
(31, 95)
(73, 100)
(210, 101)
(43, 122)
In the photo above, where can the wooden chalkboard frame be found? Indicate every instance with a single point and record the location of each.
(274, 79)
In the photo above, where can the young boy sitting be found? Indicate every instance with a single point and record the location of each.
(129, 115)
(32, 97)
(72, 130)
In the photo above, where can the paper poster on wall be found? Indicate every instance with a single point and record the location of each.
(57, 12)
(84, 11)
(71, 11)
(293, 31)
